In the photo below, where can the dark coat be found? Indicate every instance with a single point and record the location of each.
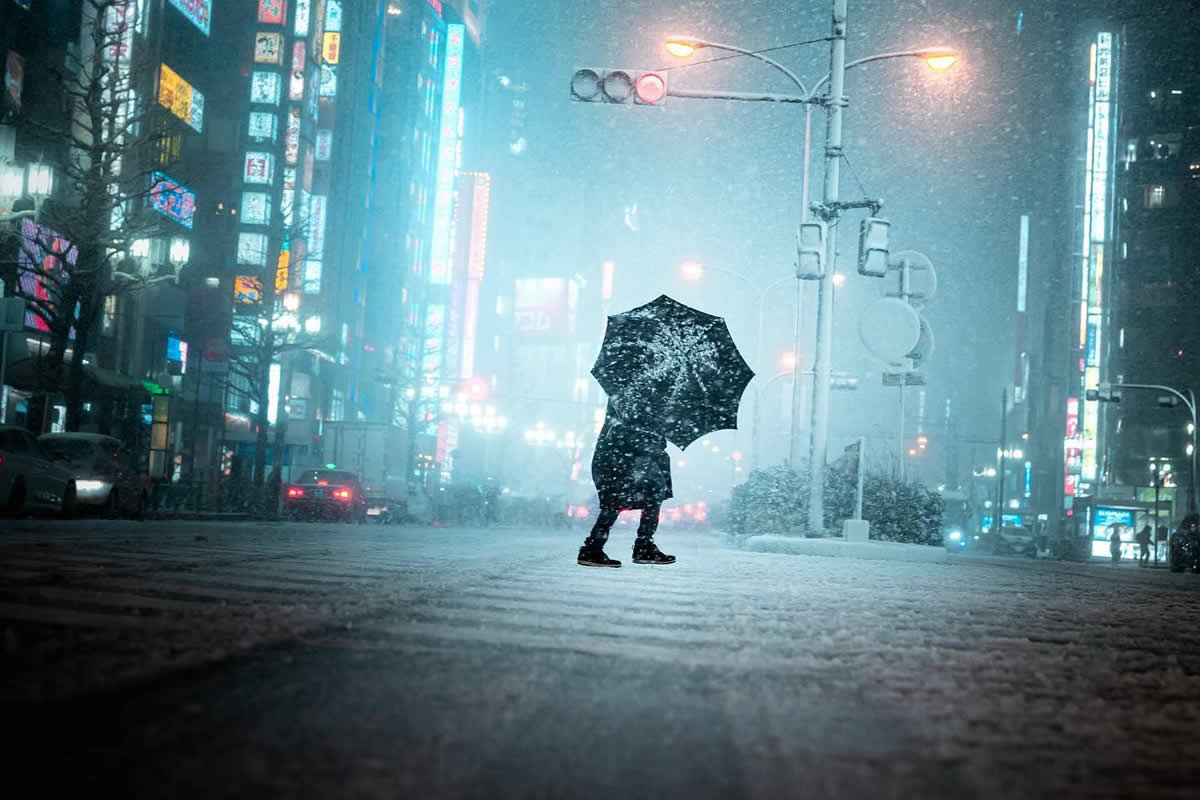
(631, 467)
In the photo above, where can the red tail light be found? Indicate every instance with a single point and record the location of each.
(295, 491)
(343, 494)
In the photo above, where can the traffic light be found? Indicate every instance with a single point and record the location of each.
(922, 442)
(810, 251)
(873, 247)
(1104, 394)
(622, 86)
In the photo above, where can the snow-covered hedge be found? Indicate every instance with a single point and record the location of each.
(775, 500)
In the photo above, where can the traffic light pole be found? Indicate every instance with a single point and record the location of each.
(1189, 400)
(818, 441)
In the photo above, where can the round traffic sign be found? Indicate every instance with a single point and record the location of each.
(889, 328)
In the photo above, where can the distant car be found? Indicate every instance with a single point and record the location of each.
(382, 508)
(955, 539)
(31, 478)
(1183, 547)
(106, 475)
(325, 493)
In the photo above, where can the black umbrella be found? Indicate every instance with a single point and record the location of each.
(672, 369)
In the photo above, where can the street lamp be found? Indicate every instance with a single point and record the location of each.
(938, 58)
(40, 182)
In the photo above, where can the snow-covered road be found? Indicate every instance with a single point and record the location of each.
(421, 662)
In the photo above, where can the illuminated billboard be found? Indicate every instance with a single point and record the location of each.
(331, 48)
(440, 255)
(180, 98)
(324, 148)
(247, 290)
(44, 260)
(316, 225)
(544, 306)
(272, 12)
(291, 138)
(268, 48)
(333, 15)
(296, 83)
(301, 18)
(265, 87)
(252, 249)
(196, 11)
(256, 208)
(259, 168)
(172, 199)
(263, 126)
(1083, 416)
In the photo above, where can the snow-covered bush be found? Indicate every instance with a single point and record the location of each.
(775, 500)
(772, 500)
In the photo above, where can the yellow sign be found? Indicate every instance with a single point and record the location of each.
(247, 289)
(180, 98)
(174, 93)
(281, 270)
(331, 47)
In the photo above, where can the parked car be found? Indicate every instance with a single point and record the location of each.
(325, 493)
(106, 473)
(30, 478)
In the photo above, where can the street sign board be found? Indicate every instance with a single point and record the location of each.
(903, 378)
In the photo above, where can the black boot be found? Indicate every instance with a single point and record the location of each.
(645, 551)
(592, 555)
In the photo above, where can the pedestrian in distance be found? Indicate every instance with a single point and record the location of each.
(1143, 540)
(1114, 543)
(631, 470)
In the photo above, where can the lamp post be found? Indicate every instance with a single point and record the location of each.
(938, 58)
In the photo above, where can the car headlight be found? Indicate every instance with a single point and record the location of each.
(955, 535)
(90, 486)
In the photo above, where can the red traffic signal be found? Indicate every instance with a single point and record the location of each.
(650, 89)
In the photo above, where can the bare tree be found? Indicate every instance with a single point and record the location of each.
(268, 329)
(77, 253)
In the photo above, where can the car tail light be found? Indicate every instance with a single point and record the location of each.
(295, 491)
(342, 494)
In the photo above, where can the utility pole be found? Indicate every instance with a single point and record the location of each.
(824, 351)
(998, 517)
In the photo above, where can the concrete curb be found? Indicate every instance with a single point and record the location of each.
(840, 548)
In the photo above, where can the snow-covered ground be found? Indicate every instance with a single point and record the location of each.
(489, 663)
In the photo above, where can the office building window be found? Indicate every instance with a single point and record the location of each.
(1155, 194)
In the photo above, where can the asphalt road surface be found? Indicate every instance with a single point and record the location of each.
(256, 660)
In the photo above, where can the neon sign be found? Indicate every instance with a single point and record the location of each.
(196, 11)
(439, 271)
(172, 199)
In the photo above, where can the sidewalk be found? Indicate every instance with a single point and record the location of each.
(838, 547)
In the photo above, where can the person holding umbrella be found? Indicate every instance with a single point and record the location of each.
(672, 374)
(631, 470)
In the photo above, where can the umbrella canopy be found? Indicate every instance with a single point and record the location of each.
(670, 368)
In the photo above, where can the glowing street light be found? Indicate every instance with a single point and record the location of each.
(942, 61)
(691, 271)
(839, 280)
(681, 47)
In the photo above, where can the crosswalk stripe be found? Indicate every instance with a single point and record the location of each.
(84, 619)
(199, 591)
(117, 600)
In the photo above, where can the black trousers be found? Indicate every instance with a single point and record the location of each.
(608, 517)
